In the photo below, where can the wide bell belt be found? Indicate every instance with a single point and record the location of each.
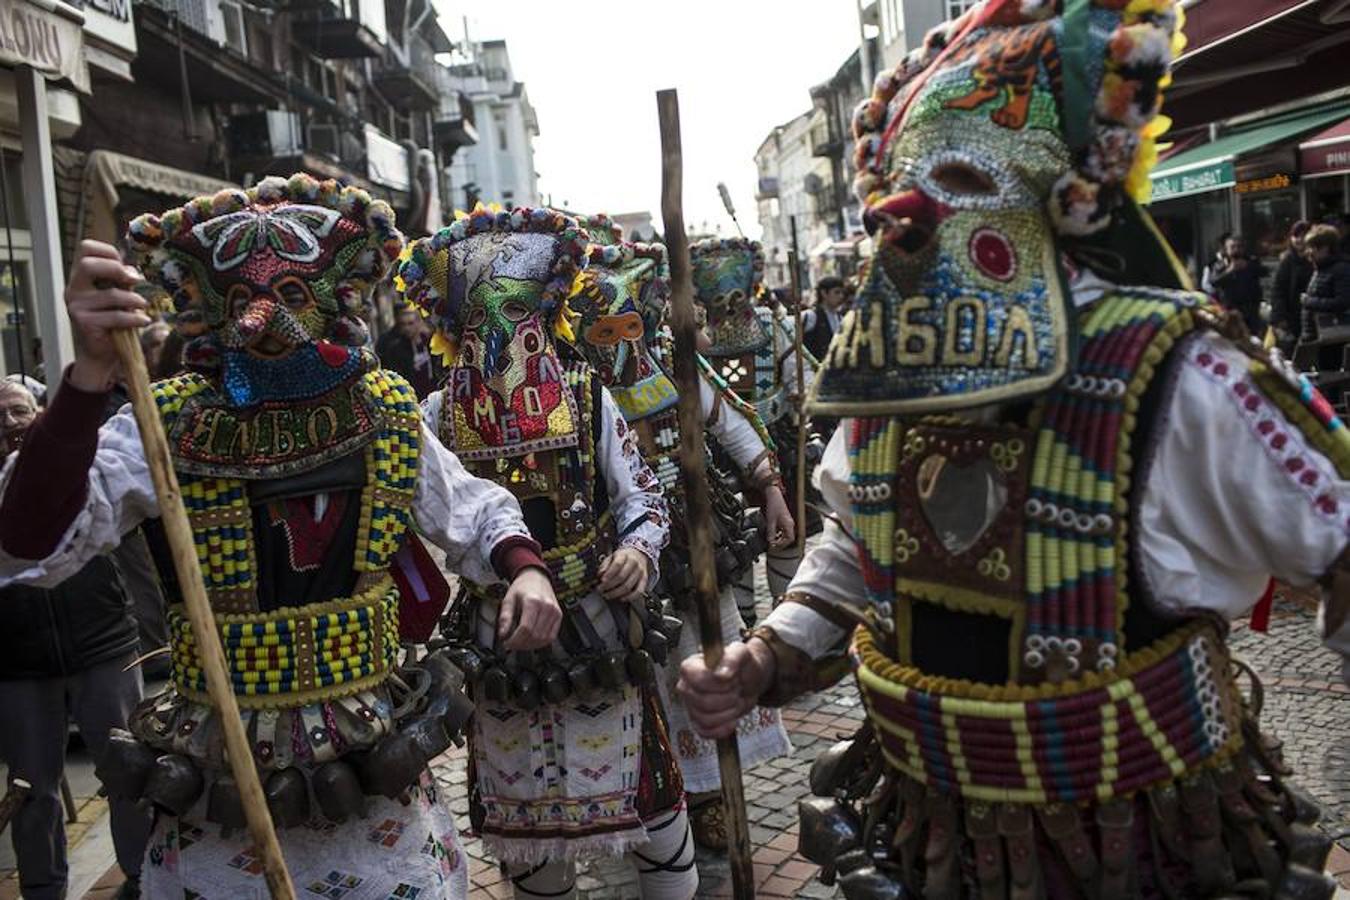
(1165, 711)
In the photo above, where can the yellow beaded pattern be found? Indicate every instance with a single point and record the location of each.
(391, 464)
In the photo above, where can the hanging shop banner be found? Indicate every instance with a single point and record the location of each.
(1211, 177)
(49, 36)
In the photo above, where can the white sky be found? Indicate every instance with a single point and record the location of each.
(592, 70)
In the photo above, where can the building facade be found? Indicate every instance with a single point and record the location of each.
(903, 24)
(499, 168)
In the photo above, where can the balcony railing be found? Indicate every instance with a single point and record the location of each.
(409, 78)
(340, 29)
(825, 142)
(455, 125)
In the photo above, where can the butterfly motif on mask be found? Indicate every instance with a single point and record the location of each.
(293, 232)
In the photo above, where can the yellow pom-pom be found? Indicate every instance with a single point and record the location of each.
(445, 347)
(562, 326)
(460, 214)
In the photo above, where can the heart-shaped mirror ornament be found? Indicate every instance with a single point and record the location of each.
(960, 501)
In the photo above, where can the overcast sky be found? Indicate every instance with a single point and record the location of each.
(592, 70)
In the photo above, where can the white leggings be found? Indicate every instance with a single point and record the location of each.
(665, 866)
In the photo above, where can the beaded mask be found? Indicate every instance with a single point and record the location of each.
(279, 275)
(1014, 129)
(728, 279)
(620, 301)
(495, 285)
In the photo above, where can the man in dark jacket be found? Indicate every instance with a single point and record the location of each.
(1286, 290)
(1235, 278)
(64, 653)
(405, 349)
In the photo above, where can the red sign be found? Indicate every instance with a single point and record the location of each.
(1213, 20)
(1326, 159)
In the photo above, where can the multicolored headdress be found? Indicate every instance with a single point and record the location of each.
(280, 275)
(728, 280)
(620, 301)
(495, 286)
(601, 229)
(1019, 128)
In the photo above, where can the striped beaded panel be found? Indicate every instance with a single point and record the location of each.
(297, 654)
(386, 501)
(1077, 509)
(1168, 711)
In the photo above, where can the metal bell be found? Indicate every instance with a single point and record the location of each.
(657, 646)
(125, 765)
(455, 718)
(671, 627)
(1308, 847)
(611, 670)
(495, 685)
(581, 678)
(338, 791)
(287, 798)
(553, 683)
(174, 784)
(827, 772)
(1301, 883)
(428, 733)
(725, 562)
(446, 702)
(870, 883)
(641, 668)
(679, 580)
(526, 690)
(829, 829)
(224, 806)
(468, 660)
(1306, 809)
(387, 768)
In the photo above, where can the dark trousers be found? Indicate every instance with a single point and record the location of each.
(33, 734)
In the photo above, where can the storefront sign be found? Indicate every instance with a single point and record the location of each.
(47, 36)
(109, 21)
(1330, 159)
(1269, 183)
(1212, 177)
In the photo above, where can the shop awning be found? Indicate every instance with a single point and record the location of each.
(106, 171)
(1327, 152)
(1209, 167)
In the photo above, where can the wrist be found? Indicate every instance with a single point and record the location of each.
(763, 664)
(90, 376)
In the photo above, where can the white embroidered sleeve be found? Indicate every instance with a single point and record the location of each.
(732, 429)
(1234, 493)
(635, 499)
(120, 497)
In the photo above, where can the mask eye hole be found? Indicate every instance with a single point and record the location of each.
(963, 179)
(237, 298)
(514, 310)
(294, 293)
(476, 317)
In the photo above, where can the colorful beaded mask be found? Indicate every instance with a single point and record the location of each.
(280, 275)
(728, 279)
(495, 285)
(1015, 127)
(620, 302)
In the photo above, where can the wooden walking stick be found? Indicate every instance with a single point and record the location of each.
(204, 631)
(698, 505)
(797, 338)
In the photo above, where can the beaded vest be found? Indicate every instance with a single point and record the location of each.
(1020, 538)
(293, 654)
(560, 491)
(755, 374)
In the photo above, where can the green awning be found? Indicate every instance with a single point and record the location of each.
(1209, 167)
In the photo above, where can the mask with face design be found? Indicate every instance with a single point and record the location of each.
(620, 300)
(728, 279)
(279, 277)
(1013, 133)
(495, 286)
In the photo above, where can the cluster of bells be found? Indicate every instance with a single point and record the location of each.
(432, 712)
(526, 680)
(738, 539)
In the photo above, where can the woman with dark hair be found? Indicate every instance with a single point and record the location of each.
(1291, 279)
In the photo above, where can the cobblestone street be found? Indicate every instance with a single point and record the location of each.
(1305, 703)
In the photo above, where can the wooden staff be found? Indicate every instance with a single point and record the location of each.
(797, 338)
(698, 506)
(179, 535)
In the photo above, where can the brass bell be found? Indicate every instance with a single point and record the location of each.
(581, 678)
(124, 765)
(495, 685)
(870, 883)
(553, 682)
(174, 784)
(612, 670)
(641, 669)
(526, 690)
(338, 791)
(224, 806)
(288, 798)
(829, 829)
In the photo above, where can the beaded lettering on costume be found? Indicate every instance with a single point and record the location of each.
(324, 650)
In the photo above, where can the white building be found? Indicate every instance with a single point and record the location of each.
(500, 167)
(792, 182)
(904, 23)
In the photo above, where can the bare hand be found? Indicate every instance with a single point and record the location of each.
(777, 519)
(624, 575)
(529, 615)
(99, 301)
(717, 698)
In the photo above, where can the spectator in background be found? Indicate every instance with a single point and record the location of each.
(1235, 279)
(820, 322)
(64, 652)
(1291, 280)
(153, 338)
(406, 349)
(1328, 290)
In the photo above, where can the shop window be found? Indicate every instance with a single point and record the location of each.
(1266, 218)
(1327, 197)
